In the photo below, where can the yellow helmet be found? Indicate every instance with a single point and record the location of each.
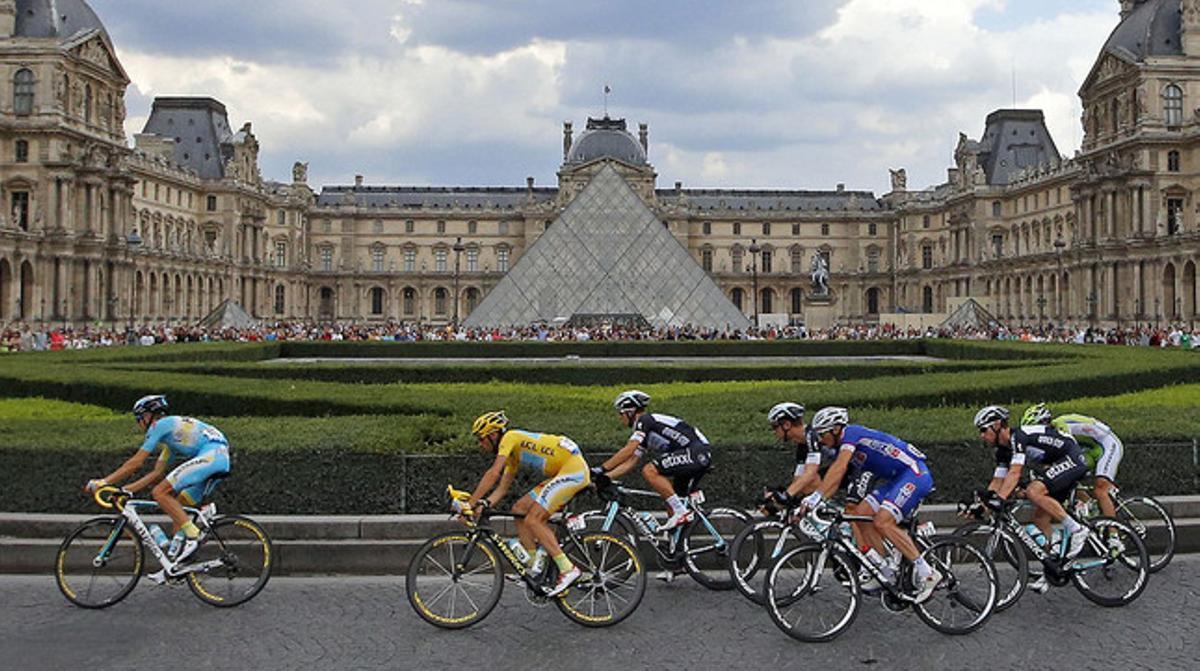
(489, 422)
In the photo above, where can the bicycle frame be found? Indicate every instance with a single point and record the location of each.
(655, 539)
(129, 516)
(477, 529)
(1053, 564)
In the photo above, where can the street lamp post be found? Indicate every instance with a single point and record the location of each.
(458, 250)
(1041, 303)
(133, 241)
(1137, 313)
(1091, 300)
(1059, 246)
(754, 251)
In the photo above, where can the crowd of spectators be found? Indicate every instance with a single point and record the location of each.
(37, 337)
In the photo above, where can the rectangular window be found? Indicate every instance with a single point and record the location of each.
(409, 226)
(1174, 215)
(439, 259)
(281, 218)
(21, 151)
(872, 229)
(737, 261)
(707, 228)
(825, 230)
(927, 257)
(767, 257)
(737, 228)
(766, 228)
(502, 259)
(795, 230)
(327, 259)
(20, 209)
(280, 254)
(998, 245)
(472, 260)
(377, 259)
(410, 260)
(925, 221)
(441, 227)
(873, 261)
(472, 227)
(706, 257)
(212, 203)
(1172, 161)
(996, 207)
(797, 262)
(504, 228)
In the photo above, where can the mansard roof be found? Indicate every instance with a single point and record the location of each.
(1153, 28)
(1015, 140)
(62, 19)
(200, 127)
(416, 197)
(774, 200)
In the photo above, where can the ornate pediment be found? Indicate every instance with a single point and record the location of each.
(1109, 66)
(94, 49)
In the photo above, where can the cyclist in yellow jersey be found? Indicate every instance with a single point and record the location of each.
(556, 457)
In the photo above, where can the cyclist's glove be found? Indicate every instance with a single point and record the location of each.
(600, 477)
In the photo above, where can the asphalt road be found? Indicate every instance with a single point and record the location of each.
(362, 623)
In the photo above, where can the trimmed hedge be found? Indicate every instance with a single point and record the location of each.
(600, 349)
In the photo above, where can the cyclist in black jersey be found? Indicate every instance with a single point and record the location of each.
(787, 421)
(673, 448)
(1062, 465)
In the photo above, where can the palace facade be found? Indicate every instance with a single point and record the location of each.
(93, 230)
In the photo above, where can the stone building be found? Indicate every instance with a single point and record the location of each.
(94, 230)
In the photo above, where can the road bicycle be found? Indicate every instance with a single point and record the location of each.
(456, 578)
(100, 562)
(1149, 518)
(1111, 570)
(699, 547)
(813, 593)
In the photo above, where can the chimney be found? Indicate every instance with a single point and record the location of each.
(8, 18)
(566, 139)
(841, 188)
(529, 188)
(358, 181)
(1191, 27)
(678, 189)
(644, 137)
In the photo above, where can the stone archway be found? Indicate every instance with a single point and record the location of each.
(6, 308)
(327, 304)
(28, 284)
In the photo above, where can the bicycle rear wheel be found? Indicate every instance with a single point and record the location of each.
(1113, 568)
(706, 543)
(966, 596)
(239, 557)
(811, 592)
(1154, 525)
(1008, 558)
(751, 553)
(99, 563)
(454, 581)
(613, 581)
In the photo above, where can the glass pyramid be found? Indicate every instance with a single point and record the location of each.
(607, 254)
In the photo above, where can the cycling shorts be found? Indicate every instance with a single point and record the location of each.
(685, 467)
(857, 485)
(189, 478)
(1105, 462)
(1060, 476)
(901, 495)
(554, 493)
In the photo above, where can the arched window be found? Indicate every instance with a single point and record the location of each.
(376, 301)
(439, 301)
(706, 259)
(1173, 105)
(472, 297)
(872, 301)
(737, 296)
(767, 303)
(23, 92)
(280, 299)
(797, 301)
(410, 301)
(927, 300)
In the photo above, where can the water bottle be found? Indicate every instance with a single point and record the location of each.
(648, 520)
(1056, 541)
(539, 562)
(519, 550)
(176, 544)
(159, 536)
(1036, 534)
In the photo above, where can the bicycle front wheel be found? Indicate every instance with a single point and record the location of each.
(454, 581)
(99, 563)
(966, 596)
(236, 559)
(613, 581)
(706, 543)
(1113, 568)
(1008, 558)
(1154, 525)
(751, 553)
(811, 592)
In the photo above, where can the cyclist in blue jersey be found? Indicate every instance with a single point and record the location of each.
(904, 480)
(204, 451)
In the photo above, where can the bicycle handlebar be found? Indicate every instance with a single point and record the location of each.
(109, 497)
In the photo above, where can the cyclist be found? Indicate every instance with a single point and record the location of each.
(205, 452)
(904, 481)
(787, 421)
(677, 449)
(1063, 466)
(1102, 449)
(561, 462)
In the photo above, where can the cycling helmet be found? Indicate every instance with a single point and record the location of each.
(984, 418)
(787, 410)
(631, 400)
(1036, 414)
(156, 403)
(828, 418)
(489, 422)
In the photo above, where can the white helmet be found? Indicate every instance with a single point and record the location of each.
(631, 400)
(827, 418)
(786, 410)
(984, 418)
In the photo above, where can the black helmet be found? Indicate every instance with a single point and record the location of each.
(155, 404)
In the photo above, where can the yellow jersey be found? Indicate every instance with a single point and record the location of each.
(546, 452)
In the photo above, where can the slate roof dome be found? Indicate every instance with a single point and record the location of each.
(606, 138)
(1153, 28)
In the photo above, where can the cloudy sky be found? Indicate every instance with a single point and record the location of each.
(746, 93)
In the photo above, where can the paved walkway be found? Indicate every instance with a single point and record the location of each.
(361, 623)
